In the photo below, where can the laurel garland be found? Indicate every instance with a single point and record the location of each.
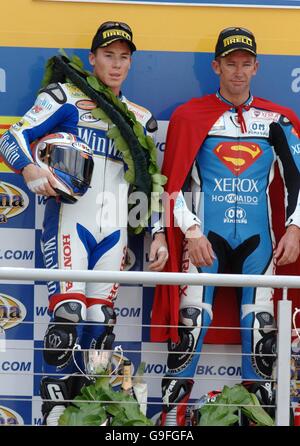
(138, 149)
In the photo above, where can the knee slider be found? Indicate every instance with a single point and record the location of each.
(191, 318)
(102, 313)
(106, 339)
(102, 333)
(175, 390)
(176, 393)
(108, 315)
(265, 394)
(62, 333)
(57, 392)
(265, 344)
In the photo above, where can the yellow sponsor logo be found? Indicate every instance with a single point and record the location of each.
(253, 149)
(74, 91)
(9, 417)
(13, 201)
(116, 33)
(238, 157)
(237, 162)
(5, 123)
(12, 311)
(237, 39)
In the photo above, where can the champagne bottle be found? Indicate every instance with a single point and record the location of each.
(140, 388)
(126, 385)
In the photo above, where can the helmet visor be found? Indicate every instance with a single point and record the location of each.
(77, 164)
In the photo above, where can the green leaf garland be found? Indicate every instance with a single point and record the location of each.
(138, 150)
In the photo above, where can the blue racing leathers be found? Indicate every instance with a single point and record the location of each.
(227, 195)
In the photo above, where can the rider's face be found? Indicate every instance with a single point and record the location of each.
(111, 64)
(235, 71)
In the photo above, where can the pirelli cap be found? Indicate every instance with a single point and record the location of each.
(109, 32)
(233, 39)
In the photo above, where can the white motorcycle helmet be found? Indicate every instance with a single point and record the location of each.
(70, 160)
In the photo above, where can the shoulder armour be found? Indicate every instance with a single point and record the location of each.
(143, 115)
(284, 120)
(151, 125)
(56, 92)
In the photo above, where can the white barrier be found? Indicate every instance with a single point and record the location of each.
(283, 362)
(150, 278)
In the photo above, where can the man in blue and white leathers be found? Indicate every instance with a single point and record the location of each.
(84, 235)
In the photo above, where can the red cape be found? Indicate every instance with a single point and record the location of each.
(188, 127)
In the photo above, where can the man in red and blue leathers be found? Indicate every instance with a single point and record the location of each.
(227, 146)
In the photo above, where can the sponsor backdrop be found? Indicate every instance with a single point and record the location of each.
(173, 65)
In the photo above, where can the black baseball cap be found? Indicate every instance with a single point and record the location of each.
(110, 32)
(233, 39)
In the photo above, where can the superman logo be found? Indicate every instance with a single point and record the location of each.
(238, 157)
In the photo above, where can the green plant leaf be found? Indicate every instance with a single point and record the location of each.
(237, 394)
(257, 413)
(93, 82)
(113, 132)
(157, 188)
(231, 399)
(98, 113)
(159, 178)
(77, 61)
(83, 414)
(138, 129)
(212, 415)
(77, 68)
(129, 175)
(101, 384)
(63, 53)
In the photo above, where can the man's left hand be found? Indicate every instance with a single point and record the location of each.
(288, 248)
(158, 252)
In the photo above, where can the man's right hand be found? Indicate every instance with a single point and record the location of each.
(199, 248)
(39, 180)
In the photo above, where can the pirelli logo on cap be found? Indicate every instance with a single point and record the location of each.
(115, 33)
(237, 39)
